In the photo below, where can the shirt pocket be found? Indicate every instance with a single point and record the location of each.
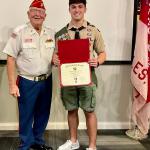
(29, 50)
(49, 46)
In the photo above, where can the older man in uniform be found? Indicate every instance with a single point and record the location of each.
(81, 96)
(30, 50)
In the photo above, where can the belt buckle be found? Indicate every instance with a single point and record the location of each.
(42, 77)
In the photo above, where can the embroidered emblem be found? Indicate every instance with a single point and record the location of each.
(49, 40)
(64, 36)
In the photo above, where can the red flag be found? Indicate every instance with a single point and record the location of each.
(140, 70)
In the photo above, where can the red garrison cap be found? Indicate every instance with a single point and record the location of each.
(37, 4)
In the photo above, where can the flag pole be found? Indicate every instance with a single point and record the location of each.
(136, 3)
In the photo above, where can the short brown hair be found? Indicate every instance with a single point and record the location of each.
(77, 1)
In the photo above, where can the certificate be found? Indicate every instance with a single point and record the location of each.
(75, 74)
(74, 68)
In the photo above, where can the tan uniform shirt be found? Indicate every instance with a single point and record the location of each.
(33, 52)
(94, 36)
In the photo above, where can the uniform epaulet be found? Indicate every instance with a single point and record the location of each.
(17, 30)
(92, 26)
(48, 28)
(89, 24)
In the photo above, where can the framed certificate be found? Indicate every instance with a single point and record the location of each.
(74, 68)
(75, 74)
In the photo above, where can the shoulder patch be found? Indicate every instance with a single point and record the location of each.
(13, 35)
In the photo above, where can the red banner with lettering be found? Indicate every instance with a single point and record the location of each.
(140, 71)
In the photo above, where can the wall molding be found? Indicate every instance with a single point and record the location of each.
(108, 62)
(64, 125)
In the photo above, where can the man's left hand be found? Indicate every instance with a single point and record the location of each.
(93, 62)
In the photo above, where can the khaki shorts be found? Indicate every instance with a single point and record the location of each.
(75, 97)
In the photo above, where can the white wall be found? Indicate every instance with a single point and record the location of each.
(113, 101)
(113, 17)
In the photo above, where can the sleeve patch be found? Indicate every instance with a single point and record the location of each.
(13, 35)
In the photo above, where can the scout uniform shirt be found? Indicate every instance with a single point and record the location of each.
(92, 33)
(33, 52)
(89, 31)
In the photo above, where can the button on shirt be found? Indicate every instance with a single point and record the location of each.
(33, 52)
(93, 34)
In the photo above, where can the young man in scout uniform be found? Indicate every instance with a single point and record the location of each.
(30, 50)
(81, 96)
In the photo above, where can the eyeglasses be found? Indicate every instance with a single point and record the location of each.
(41, 12)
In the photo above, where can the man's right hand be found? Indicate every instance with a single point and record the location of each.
(14, 90)
(55, 60)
